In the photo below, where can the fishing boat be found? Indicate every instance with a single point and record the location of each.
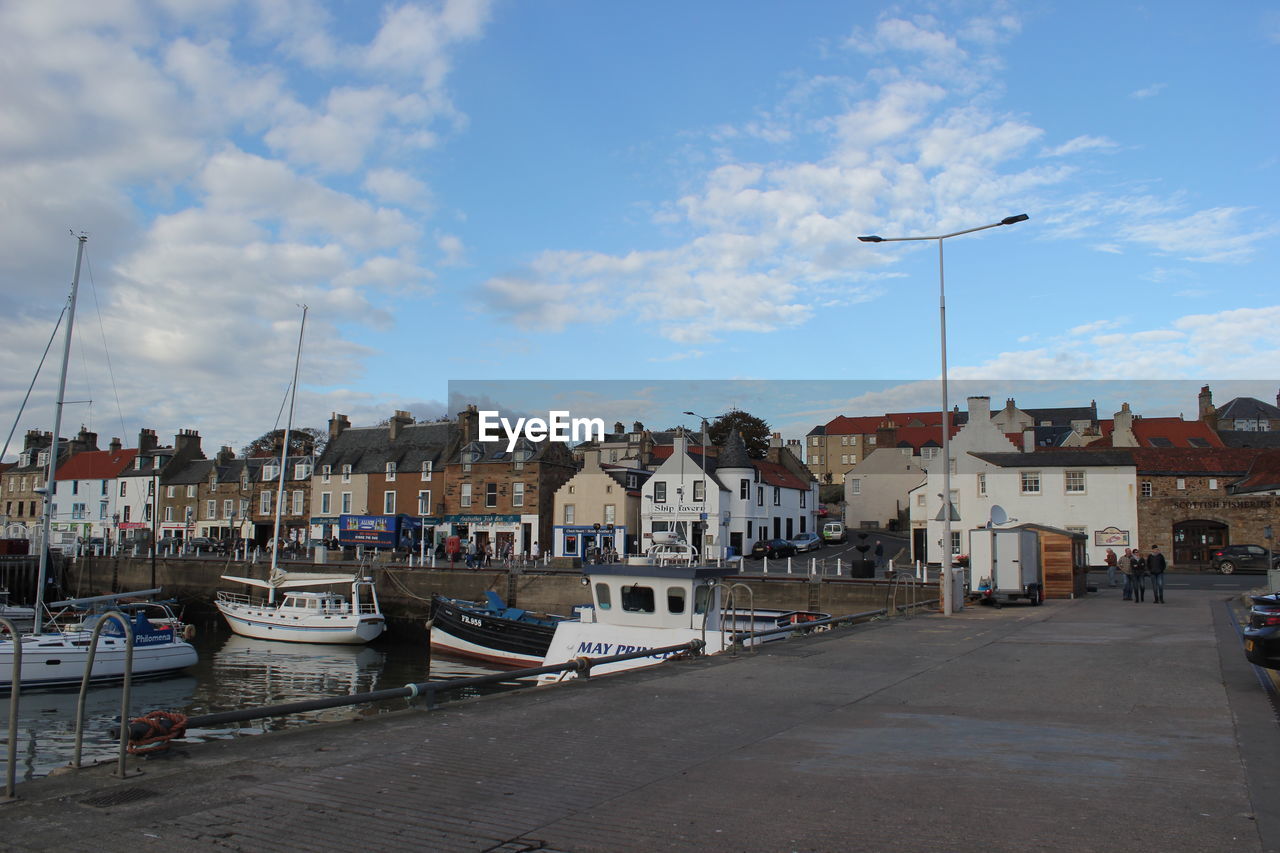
(304, 616)
(638, 607)
(490, 630)
(301, 617)
(58, 658)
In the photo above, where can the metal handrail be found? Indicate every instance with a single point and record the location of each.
(14, 692)
(730, 606)
(895, 583)
(117, 616)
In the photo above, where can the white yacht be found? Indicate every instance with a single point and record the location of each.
(305, 617)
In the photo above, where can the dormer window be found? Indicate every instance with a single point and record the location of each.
(137, 463)
(44, 458)
(302, 470)
(326, 472)
(391, 472)
(346, 473)
(270, 472)
(427, 468)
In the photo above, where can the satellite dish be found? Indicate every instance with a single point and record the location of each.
(998, 516)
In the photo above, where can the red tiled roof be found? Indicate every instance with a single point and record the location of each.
(1264, 473)
(867, 425)
(777, 475)
(97, 464)
(1177, 431)
(664, 451)
(1194, 460)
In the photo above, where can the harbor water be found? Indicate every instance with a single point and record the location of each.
(233, 672)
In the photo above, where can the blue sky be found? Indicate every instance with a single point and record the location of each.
(640, 191)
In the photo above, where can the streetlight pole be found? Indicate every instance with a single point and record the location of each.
(705, 503)
(947, 563)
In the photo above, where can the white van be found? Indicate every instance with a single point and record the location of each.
(833, 531)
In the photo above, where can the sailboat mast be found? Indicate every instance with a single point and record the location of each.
(46, 524)
(284, 459)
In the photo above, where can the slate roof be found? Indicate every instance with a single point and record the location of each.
(1062, 416)
(1247, 407)
(1060, 458)
(734, 454)
(1244, 438)
(368, 449)
(194, 472)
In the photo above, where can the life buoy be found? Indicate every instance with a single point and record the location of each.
(189, 632)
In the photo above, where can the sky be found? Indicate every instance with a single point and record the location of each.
(648, 191)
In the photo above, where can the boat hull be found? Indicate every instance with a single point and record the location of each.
(472, 632)
(264, 623)
(54, 660)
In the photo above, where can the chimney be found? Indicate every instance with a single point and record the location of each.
(399, 421)
(225, 455)
(591, 460)
(115, 446)
(979, 409)
(147, 441)
(1122, 433)
(85, 440)
(1028, 439)
(469, 423)
(775, 440)
(187, 439)
(1207, 412)
(337, 423)
(886, 434)
(637, 427)
(618, 429)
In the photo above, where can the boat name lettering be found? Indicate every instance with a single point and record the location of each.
(558, 426)
(604, 649)
(471, 620)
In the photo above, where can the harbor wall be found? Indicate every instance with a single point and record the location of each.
(405, 593)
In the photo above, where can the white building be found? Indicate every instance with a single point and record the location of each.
(682, 502)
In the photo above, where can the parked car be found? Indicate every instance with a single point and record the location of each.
(834, 532)
(1238, 558)
(773, 548)
(807, 542)
(1262, 637)
(206, 545)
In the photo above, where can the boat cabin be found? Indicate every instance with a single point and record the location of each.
(315, 603)
(655, 596)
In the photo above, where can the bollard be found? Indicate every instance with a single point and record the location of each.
(837, 567)
(788, 565)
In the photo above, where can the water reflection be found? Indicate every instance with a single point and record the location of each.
(234, 672)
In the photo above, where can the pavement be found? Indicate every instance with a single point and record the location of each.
(1085, 725)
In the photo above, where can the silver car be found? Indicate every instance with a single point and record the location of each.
(807, 542)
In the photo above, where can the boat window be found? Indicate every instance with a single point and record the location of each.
(700, 598)
(637, 599)
(675, 599)
(602, 596)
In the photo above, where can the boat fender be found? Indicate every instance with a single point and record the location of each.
(189, 632)
(152, 732)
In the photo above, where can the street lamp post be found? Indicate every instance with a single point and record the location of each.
(947, 564)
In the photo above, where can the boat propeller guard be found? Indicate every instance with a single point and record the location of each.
(152, 732)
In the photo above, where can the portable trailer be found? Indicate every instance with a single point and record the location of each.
(1005, 565)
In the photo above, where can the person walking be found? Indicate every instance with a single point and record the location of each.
(1139, 575)
(1111, 562)
(1125, 565)
(879, 552)
(1156, 565)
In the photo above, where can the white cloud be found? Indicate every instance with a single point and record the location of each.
(1080, 143)
(1148, 91)
(1218, 234)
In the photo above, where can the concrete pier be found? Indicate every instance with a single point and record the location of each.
(1086, 725)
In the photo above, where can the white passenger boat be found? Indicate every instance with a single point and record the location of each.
(652, 607)
(304, 617)
(59, 658)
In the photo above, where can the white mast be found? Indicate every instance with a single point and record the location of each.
(284, 460)
(53, 447)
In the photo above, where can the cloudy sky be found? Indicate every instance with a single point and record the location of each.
(648, 190)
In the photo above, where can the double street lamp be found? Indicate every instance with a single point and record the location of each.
(947, 562)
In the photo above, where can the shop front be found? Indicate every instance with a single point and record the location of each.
(591, 542)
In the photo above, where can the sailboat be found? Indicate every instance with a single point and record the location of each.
(301, 617)
(57, 657)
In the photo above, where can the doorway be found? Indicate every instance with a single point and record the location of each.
(1195, 540)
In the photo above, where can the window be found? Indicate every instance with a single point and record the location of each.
(1074, 482)
(920, 499)
(427, 469)
(637, 599)
(298, 502)
(191, 491)
(659, 492)
(759, 495)
(127, 512)
(744, 489)
(1213, 484)
(490, 495)
(930, 452)
(103, 492)
(391, 472)
(844, 439)
(871, 440)
(346, 503)
(517, 494)
(1031, 482)
(211, 509)
(302, 470)
(424, 502)
(855, 486)
(326, 473)
(777, 496)
(804, 501)
(955, 542)
(699, 490)
(146, 512)
(270, 472)
(388, 503)
(844, 459)
(75, 487)
(853, 459)
(168, 491)
(570, 514)
(264, 502)
(77, 510)
(610, 513)
(982, 484)
(813, 441)
(326, 503)
(1146, 490)
(188, 513)
(465, 498)
(675, 599)
(1181, 483)
(102, 510)
(346, 473)
(228, 508)
(603, 598)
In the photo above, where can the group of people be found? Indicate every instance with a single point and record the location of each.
(1136, 569)
(477, 556)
